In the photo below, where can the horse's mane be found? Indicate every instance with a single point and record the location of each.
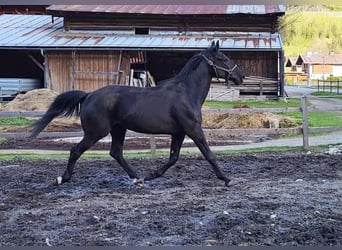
(191, 64)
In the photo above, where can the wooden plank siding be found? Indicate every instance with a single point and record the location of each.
(261, 71)
(62, 65)
(261, 87)
(259, 67)
(256, 63)
(238, 22)
(86, 70)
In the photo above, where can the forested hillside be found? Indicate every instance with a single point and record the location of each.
(311, 29)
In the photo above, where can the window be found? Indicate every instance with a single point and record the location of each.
(142, 31)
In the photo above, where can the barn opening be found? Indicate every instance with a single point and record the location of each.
(20, 71)
(22, 64)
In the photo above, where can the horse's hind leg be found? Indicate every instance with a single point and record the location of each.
(176, 145)
(116, 150)
(75, 154)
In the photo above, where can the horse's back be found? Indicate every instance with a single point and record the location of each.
(139, 109)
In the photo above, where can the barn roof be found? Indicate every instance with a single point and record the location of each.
(46, 32)
(316, 58)
(171, 9)
(291, 61)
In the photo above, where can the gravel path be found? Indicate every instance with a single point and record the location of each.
(333, 138)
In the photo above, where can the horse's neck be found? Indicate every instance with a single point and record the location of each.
(198, 84)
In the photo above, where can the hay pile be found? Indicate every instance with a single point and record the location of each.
(34, 100)
(247, 120)
(39, 100)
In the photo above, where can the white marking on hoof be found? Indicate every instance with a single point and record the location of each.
(59, 180)
(138, 182)
(234, 182)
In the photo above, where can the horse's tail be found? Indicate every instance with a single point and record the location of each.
(64, 105)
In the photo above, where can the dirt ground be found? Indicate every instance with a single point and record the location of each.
(288, 198)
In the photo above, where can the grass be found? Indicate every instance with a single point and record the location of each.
(319, 118)
(15, 121)
(327, 94)
(316, 119)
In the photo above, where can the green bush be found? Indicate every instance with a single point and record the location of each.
(334, 78)
(304, 31)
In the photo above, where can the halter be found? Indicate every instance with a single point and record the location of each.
(215, 67)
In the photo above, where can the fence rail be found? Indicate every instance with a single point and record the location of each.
(329, 86)
(305, 130)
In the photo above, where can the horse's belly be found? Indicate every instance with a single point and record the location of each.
(151, 126)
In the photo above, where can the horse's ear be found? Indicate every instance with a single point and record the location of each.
(212, 45)
(217, 45)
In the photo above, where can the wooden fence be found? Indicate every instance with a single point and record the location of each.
(329, 86)
(305, 130)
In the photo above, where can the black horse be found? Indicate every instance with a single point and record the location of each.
(173, 107)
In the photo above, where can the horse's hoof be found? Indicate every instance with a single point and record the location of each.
(232, 182)
(58, 181)
(138, 182)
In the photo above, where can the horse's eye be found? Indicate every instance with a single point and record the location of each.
(221, 58)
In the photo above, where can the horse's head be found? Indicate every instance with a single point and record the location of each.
(222, 66)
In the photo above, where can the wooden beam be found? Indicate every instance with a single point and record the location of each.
(36, 62)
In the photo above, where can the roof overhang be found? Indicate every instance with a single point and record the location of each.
(174, 9)
(44, 32)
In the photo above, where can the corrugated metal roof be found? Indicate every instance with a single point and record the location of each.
(316, 58)
(38, 31)
(172, 9)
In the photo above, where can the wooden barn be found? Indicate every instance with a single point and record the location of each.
(90, 46)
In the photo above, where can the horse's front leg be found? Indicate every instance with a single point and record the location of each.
(176, 144)
(116, 151)
(197, 135)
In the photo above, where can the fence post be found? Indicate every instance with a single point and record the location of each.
(338, 87)
(153, 145)
(318, 85)
(305, 126)
(261, 91)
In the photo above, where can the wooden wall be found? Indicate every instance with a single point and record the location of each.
(257, 66)
(257, 63)
(161, 64)
(86, 70)
(239, 22)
